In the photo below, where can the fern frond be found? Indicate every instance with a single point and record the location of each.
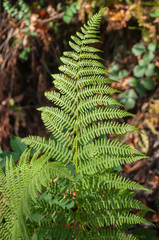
(63, 81)
(55, 150)
(84, 116)
(97, 101)
(91, 63)
(101, 128)
(103, 146)
(90, 56)
(87, 71)
(96, 164)
(61, 119)
(109, 181)
(112, 218)
(101, 114)
(21, 185)
(59, 100)
(111, 234)
(82, 36)
(91, 91)
(91, 80)
(75, 47)
(76, 56)
(110, 202)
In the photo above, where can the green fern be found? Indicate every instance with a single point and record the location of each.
(98, 203)
(19, 187)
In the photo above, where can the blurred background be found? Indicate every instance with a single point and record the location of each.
(33, 36)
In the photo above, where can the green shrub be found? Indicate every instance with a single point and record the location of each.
(145, 69)
(143, 73)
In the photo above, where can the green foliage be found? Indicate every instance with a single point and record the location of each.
(20, 11)
(17, 149)
(69, 12)
(93, 202)
(145, 69)
(115, 74)
(24, 54)
(19, 188)
(143, 74)
(155, 13)
(138, 49)
(128, 98)
(145, 65)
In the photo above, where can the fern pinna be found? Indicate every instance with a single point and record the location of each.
(97, 203)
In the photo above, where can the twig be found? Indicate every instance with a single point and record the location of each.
(6, 59)
(57, 16)
(10, 35)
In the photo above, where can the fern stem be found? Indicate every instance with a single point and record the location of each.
(77, 98)
(77, 125)
(76, 142)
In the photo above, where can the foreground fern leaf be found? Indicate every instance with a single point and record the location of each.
(19, 187)
(83, 116)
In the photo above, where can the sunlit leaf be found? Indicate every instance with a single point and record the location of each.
(129, 99)
(133, 82)
(148, 84)
(150, 70)
(148, 57)
(155, 13)
(139, 71)
(138, 49)
(152, 47)
(123, 73)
